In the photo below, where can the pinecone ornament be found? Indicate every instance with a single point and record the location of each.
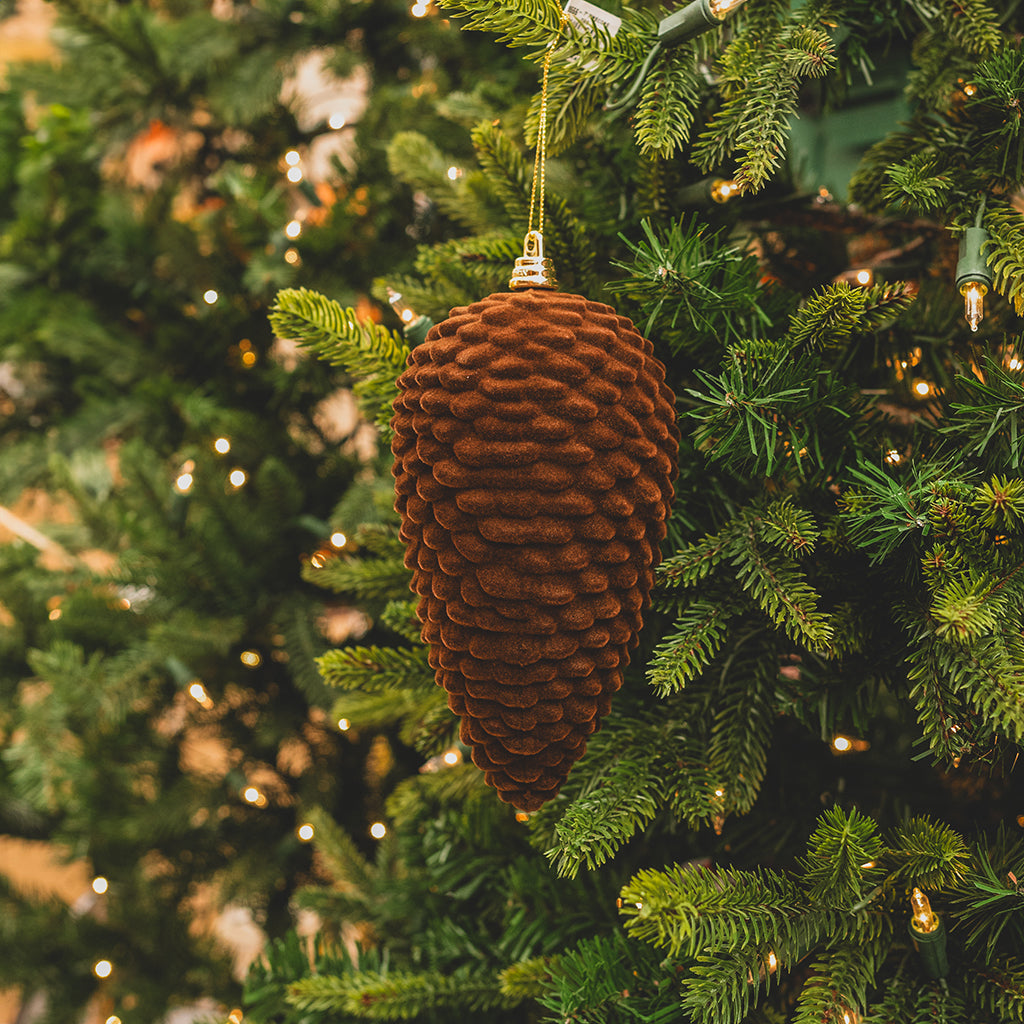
(535, 446)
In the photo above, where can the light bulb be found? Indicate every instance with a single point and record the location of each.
(184, 483)
(198, 693)
(338, 539)
(418, 9)
(293, 228)
(924, 919)
(294, 175)
(237, 477)
(100, 885)
(112, 1019)
(720, 8)
(863, 277)
(378, 830)
(892, 456)
(974, 293)
(292, 256)
(454, 173)
(305, 832)
(222, 445)
(253, 796)
(210, 296)
(292, 157)
(336, 121)
(922, 388)
(841, 744)
(252, 659)
(723, 189)
(452, 757)
(1014, 362)
(344, 724)
(102, 968)
(405, 312)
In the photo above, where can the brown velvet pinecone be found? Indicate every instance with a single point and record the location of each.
(535, 446)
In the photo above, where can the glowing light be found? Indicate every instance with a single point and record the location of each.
(319, 559)
(251, 659)
(294, 175)
(344, 724)
(923, 388)
(102, 968)
(841, 744)
(210, 296)
(100, 885)
(338, 539)
(772, 961)
(1014, 362)
(974, 293)
(55, 615)
(198, 693)
(293, 228)
(452, 757)
(222, 445)
(723, 189)
(113, 1020)
(248, 358)
(864, 277)
(405, 312)
(719, 793)
(184, 482)
(235, 1017)
(924, 919)
(454, 173)
(305, 832)
(292, 157)
(253, 796)
(720, 8)
(522, 816)
(970, 89)
(336, 121)
(378, 830)
(292, 256)
(892, 456)
(418, 9)
(237, 477)
(869, 864)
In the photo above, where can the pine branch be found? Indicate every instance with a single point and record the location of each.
(377, 669)
(698, 635)
(996, 989)
(668, 103)
(1005, 251)
(368, 579)
(782, 591)
(399, 995)
(926, 854)
(840, 982)
(372, 354)
(833, 871)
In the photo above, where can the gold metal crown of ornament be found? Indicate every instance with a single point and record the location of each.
(532, 269)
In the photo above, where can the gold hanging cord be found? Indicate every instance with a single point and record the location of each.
(532, 269)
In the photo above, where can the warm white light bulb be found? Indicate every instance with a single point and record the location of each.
(100, 885)
(378, 830)
(102, 968)
(252, 659)
(452, 757)
(336, 121)
(338, 539)
(210, 296)
(418, 9)
(863, 277)
(974, 293)
(237, 477)
(841, 744)
(344, 724)
(184, 483)
(293, 228)
(723, 189)
(292, 157)
(222, 445)
(720, 8)
(294, 175)
(305, 832)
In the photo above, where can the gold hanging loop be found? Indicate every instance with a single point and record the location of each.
(532, 269)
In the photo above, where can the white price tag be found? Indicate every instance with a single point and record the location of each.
(584, 15)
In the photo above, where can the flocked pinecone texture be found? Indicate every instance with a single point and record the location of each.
(535, 446)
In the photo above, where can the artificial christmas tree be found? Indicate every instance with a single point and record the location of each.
(820, 728)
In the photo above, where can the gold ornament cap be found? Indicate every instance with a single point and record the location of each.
(532, 269)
